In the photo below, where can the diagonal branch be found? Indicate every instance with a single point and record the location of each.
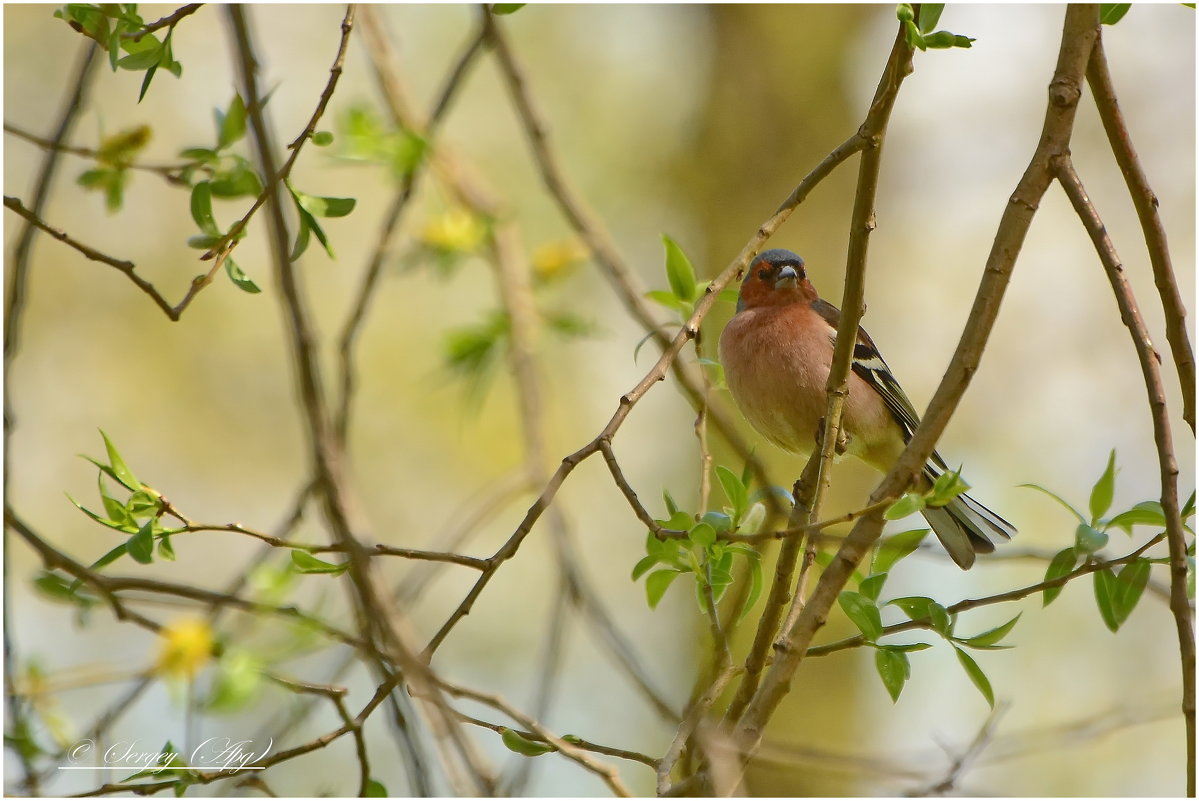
(1145, 202)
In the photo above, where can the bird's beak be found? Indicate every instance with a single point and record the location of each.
(787, 278)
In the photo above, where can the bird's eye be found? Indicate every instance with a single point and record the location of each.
(763, 274)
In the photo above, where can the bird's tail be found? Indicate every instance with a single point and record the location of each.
(964, 526)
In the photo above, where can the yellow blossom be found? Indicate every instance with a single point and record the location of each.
(185, 648)
(554, 259)
(457, 230)
(121, 148)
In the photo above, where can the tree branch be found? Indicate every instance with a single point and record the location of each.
(1145, 202)
(1168, 467)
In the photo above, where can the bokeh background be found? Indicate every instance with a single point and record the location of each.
(689, 120)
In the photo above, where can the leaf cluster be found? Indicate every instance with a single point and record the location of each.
(864, 609)
(704, 552)
(118, 29)
(1116, 591)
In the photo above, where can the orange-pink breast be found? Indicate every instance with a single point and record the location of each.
(776, 362)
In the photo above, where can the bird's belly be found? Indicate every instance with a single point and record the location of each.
(779, 383)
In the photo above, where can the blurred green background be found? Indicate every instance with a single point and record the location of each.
(694, 121)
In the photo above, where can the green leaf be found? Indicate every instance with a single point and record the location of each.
(1104, 489)
(679, 272)
(1088, 539)
(375, 789)
(323, 206)
(755, 586)
(120, 470)
(98, 178)
(657, 584)
(643, 566)
(203, 241)
(1062, 563)
(991, 636)
(1111, 13)
(232, 124)
(525, 747)
(910, 503)
(734, 490)
(894, 669)
(123, 525)
(146, 82)
(58, 588)
(201, 208)
(668, 499)
(976, 675)
(302, 233)
(1130, 585)
(507, 8)
(1057, 498)
(322, 138)
(238, 681)
(1145, 513)
(240, 279)
(703, 535)
(948, 486)
(110, 557)
(238, 179)
(904, 12)
(916, 607)
(112, 507)
(667, 299)
(919, 607)
(141, 544)
(871, 586)
(304, 562)
(1105, 592)
(913, 35)
(930, 13)
(202, 154)
(896, 547)
(143, 503)
(864, 614)
(143, 59)
(165, 549)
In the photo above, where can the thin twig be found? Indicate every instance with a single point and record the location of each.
(170, 20)
(622, 278)
(958, 765)
(169, 172)
(607, 773)
(999, 598)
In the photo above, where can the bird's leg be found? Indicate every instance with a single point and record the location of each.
(842, 438)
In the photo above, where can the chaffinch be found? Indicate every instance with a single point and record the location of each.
(777, 351)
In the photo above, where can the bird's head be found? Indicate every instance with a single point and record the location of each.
(775, 278)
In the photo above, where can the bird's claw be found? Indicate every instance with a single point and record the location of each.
(842, 438)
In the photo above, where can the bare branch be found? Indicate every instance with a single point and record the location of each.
(1145, 202)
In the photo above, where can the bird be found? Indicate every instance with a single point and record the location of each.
(777, 351)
